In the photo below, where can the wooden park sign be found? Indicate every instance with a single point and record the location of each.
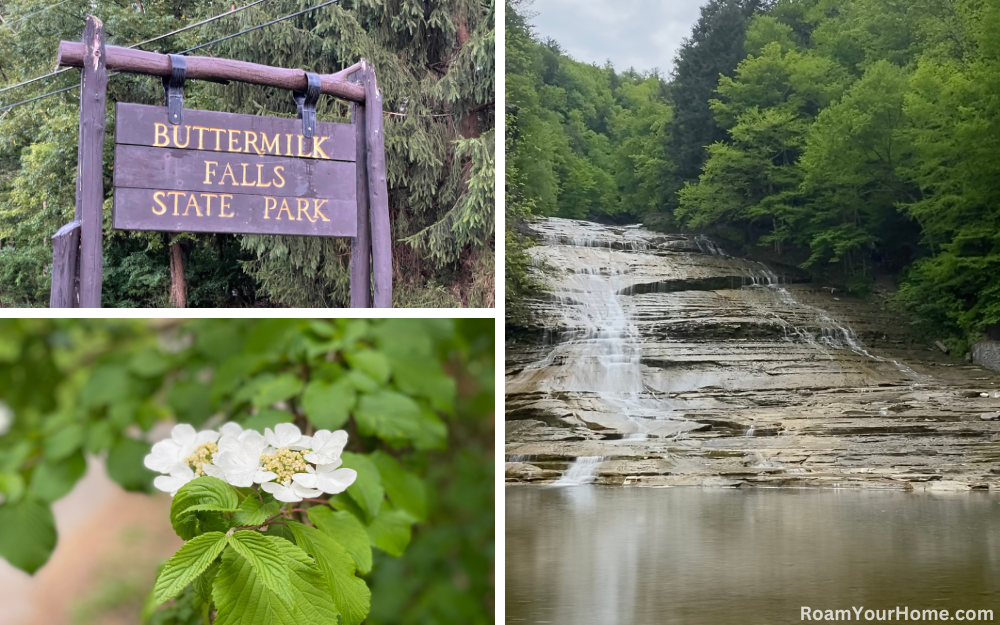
(183, 170)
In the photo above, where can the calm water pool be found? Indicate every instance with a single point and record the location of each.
(589, 554)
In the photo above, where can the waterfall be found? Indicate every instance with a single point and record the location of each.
(582, 471)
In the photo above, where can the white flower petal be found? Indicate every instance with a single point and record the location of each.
(262, 477)
(303, 491)
(336, 481)
(240, 476)
(327, 446)
(173, 483)
(162, 456)
(231, 429)
(307, 480)
(183, 434)
(214, 471)
(282, 492)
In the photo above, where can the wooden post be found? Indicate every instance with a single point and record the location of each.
(90, 164)
(361, 245)
(378, 193)
(65, 262)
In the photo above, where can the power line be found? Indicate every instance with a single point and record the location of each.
(136, 45)
(204, 45)
(24, 17)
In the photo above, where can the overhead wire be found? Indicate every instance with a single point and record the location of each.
(141, 43)
(198, 47)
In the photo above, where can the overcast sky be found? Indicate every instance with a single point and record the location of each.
(631, 33)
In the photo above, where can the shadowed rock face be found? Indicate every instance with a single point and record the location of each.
(677, 364)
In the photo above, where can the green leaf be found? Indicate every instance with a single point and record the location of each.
(253, 512)
(267, 418)
(242, 599)
(361, 381)
(374, 363)
(29, 533)
(100, 436)
(107, 385)
(425, 379)
(11, 488)
(266, 560)
(126, 468)
(350, 593)
(328, 406)
(63, 441)
(279, 389)
(347, 530)
(187, 564)
(149, 363)
(203, 583)
(389, 415)
(367, 490)
(405, 490)
(390, 531)
(191, 401)
(203, 493)
(52, 481)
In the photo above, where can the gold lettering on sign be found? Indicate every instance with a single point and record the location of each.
(158, 198)
(284, 209)
(271, 147)
(232, 142)
(289, 145)
(316, 213)
(218, 141)
(201, 135)
(259, 183)
(208, 200)
(186, 141)
(317, 141)
(192, 201)
(251, 140)
(222, 210)
(303, 206)
(278, 174)
(161, 133)
(176, 195)
(269, 204)
(209, 172)
(229, 172)
(245, 183)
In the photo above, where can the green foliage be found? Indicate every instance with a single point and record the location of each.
(106, 383)
(587, 142)
(435, 64)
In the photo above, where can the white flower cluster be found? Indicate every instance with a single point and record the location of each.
(285, 463)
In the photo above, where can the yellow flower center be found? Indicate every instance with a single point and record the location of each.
(284, 462)
(201, 456)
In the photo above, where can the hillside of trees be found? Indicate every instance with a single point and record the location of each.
(435, 64)
(853, 138)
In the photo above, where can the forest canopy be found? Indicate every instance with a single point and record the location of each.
(853, 138)
(435, 65)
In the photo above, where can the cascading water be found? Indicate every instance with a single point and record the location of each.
(583, 471)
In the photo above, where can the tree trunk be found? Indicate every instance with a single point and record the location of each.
(178, 287)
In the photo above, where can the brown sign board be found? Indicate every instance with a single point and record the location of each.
(240, 174)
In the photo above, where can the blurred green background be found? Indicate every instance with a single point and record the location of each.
(97, 389)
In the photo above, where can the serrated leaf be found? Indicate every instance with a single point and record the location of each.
(279, 389)
(367, 489)
(266, 561)
(29, 533)
(350, 593)
(347, 530)
(203, 584)
(254, 512)
(53, 480)
(405, 490)
(187, 564)
(374, 363)
(126, 468)
(328, 406)
(206, 493)
(242, 599)
(390, 531)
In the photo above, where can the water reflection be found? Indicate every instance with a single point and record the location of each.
(635, 556)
